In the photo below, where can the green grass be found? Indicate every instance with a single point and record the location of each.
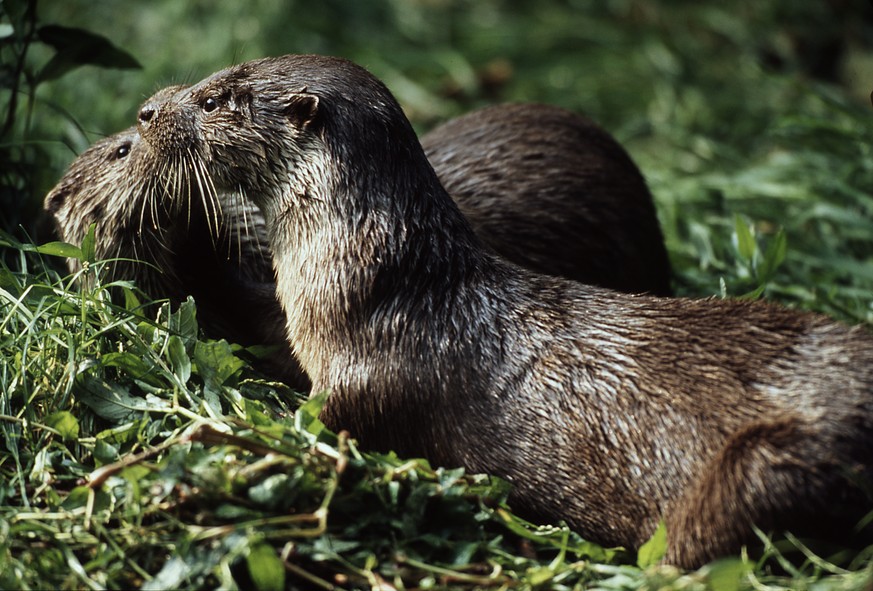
(136, 452)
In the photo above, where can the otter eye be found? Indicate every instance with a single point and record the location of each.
(210, 105)
(122, 151)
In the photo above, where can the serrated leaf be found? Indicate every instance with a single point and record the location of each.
(78, 47)
(654, 549)
(265, 567)
(64, 423)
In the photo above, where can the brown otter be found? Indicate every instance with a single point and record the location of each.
(587, 213)
(568, 202)
(215, 251)
(611, 411)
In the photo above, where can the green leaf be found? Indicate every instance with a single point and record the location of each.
(654, 550)
(184, 322)
(265, 567)
(77, 47)
(774, 255)
(6, 30)
(216, 361)
(131, 301)
(135, 366)
(60, 249)
(88, 244)
(64, 423)
(78, 498)
(306, 418)
(179, 358)
(109, 401)
(730, 574)
(746, 246)
(104, 452)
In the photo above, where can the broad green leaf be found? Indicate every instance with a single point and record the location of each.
(179, 358)
(78, 497)
(60, 249)
(216, 361)
(133, 365)
(104, 452)
(6, 30)
(131, 301)
(77, 47)
(184, 321)
(108, 400)
(306, 418)
(654, 549)
(729, 574)
(64, 423)
(265, 567)
(276, 491)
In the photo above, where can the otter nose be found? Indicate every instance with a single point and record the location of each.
(146, 114)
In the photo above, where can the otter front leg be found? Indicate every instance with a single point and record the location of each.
(771, 474)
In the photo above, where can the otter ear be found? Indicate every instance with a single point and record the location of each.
(301, 109)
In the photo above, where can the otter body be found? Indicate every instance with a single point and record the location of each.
(569, 202)
(579, 206)
(610, 411)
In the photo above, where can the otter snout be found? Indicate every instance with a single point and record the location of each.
(157, 117)
(147, 120)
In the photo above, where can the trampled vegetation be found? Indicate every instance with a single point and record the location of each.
(137, 452)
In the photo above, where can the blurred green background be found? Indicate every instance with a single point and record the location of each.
(741, 107)
(639, 67)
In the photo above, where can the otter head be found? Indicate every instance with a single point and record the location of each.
(122, 188)
(294, 132)
(81, 197)
(105, 186)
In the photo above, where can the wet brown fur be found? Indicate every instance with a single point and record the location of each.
(610, 411)
(588, 214)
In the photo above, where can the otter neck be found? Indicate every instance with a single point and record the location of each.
(360, 263)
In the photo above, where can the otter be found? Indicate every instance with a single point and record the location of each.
(572, 179)
(608, 410)
(215, 251)
(545, 187)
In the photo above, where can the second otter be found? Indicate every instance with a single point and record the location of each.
(608, 410)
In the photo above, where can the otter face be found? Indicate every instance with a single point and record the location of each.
(283, 132)
(102, 187)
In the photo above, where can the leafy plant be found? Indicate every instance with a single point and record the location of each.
(22, 155)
